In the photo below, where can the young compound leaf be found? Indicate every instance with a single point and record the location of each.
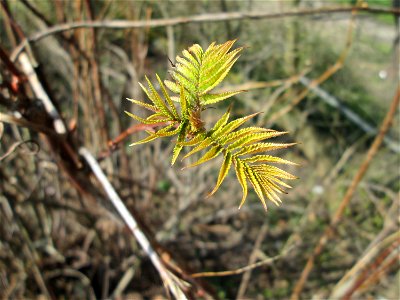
(195, 75)
(199, 72)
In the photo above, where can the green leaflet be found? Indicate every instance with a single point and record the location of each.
(159, 103)
(233, 125)
(268, 158)
(214, 80)
(226, 165)
(186, 68)
(141, 120)
(145, 140)
(233, 136)
(168, 98)
(184, 82)
(200, 72)
(143, 104)
(254, 180)
(172, 86)
(164, 132)
(181, 137)
(204, 144)
(190, 59)
(274, 171)
(214, 98)
(198, 52)
(210, 154)
(195, 75)
(255, 137)
(241, 176)
(262, 147)
(194, 141)
(184, 104)
(269, 191)
(274, 179)
(221, 122)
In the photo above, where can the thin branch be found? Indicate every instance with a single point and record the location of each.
(14, 147)
(218, 17)
(366, 259)
(325, 76)
(169, 280)
(41, 94)
(112, 144)
(5, 118)
(351, 115)
(262, 263)
(346, 199)
(253, 257)
(374, 268)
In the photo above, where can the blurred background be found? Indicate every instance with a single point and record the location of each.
(314, 68)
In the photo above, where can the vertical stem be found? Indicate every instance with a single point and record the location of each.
(346, 199)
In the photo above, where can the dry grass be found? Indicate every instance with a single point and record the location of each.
(60, 237)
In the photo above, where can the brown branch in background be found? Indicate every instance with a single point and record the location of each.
(172, 283)
(347, 197)
(16, 145)
(373, 252)
(375, 269)
(349, 114)
(253, 257)
(9, 64)
(262, 263)
(316, 82)
(95, 76)
(64, 36)
(14, 25)
(25, 123)
(218, 17)
(252, 85)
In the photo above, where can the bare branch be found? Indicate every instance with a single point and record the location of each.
(41, 94)
(351, 115)
(5, 118)
(169, 279)
(218, 17)
(265, 262)
(347, 197)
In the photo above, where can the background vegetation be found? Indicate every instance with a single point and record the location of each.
(60, 237)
